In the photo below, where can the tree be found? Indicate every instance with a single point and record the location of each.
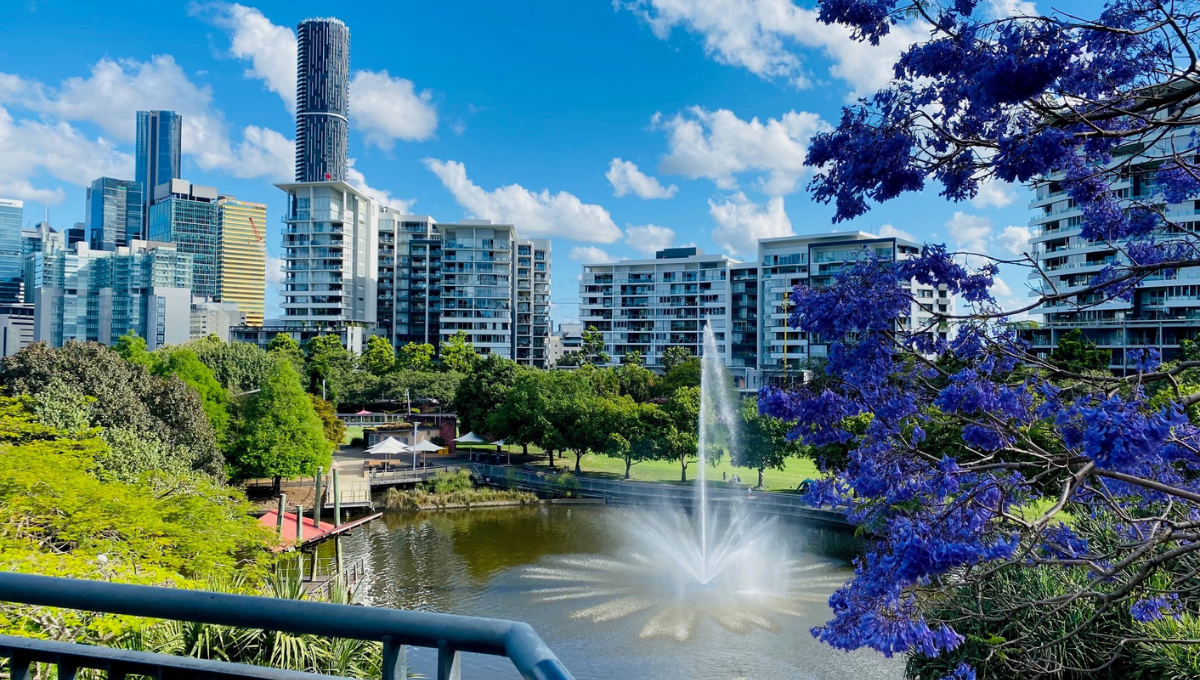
(633, 358)
(674, 356)
(288, 347)
(1077, 354)
(482, 390)
(132, 348)
(378, 358)
(284, 436)
(335, 429)
(329, 366)
(183, 363)
(415, 357)
(1095, 110)
(592, 348)
(637, 381)
(764, 443)
(685, 374)
(631, 426)
(521, 417)
(238, 366)
(572, 358)
(681, 440)
(457, 354)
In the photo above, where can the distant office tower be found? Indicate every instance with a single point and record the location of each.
(242, 257)
(87, 295)
(159, 142)
(215, 318)
(12, 216)
(16, 327)
(478, 284)
(186, 214)
(322, 100)
(330, 279)
(77, 233)
(114, 212)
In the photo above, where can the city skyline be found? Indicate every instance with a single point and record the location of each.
(716, 154)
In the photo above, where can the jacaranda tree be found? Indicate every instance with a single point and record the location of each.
(1022, 511)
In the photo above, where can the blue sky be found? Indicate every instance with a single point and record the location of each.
(511, 111)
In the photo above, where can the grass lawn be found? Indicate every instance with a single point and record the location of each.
(796, 471)
(351, 433)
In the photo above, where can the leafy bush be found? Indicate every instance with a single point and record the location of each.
(450, 489)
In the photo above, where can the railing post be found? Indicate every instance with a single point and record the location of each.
(448, 667)
(279, 518)
(18, 667)
(395, 660)
(67, 671)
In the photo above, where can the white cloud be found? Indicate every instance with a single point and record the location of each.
(356, 179)
(649, 239)
(626, 178)
(1015, 240)
(718, 145)
(742, 222)
(262, 153)
(537, 214)
(31, 148)
(999, 9)
(385, 109)
(1000, 288)
(994, 193)
(759, 35)
(970, 232)
(589, 254)
(271, 49)
(891, 231)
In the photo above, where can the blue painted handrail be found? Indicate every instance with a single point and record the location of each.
(448, 633)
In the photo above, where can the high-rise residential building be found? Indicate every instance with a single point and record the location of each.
(16, 327)
(88, 295)
(158, 154)
(186, 214)
(322, 100)
(242, 256)
(478, 280)
(532, 307)
(12, 267)
(410, 278)
(330, 260)
(114, 212)
(210, 317)
(650, 305)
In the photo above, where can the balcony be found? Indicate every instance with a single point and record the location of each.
(448, 634)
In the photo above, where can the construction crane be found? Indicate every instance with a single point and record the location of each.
(262, 243)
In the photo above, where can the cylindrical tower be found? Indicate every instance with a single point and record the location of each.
(322, 100)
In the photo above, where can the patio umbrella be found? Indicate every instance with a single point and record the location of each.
(389, 446)
(425, 446)
(499, 443)
(470, 438)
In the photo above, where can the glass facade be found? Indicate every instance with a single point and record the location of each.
(114, 212)
(322, 100)
(159, 143)
(242, 261)
(188, 217)
(12, 267)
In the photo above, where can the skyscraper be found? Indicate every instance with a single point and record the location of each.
(242, 260)
(322, 100)
(114, 212)
(186, 214)
(12, 216)
(159, 141)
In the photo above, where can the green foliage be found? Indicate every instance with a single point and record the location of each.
(378, 358)
(521, 417)
(183, 363)
(416, 385)
(132, 348)
(674, 356)
(592, 348)
(124, 395)
(288, 347)
(1156, 659)
(633, 358)
(637, 381)
(683, 374)
(1189, 350)
(415, 357)
(670, 432)
(334, 428)
(482, 390)
(764, 444)
(283, 435)
(570, 359)
(1076, 354)
(457, 354)
(449, 489)
(238, 366)
(329, 366)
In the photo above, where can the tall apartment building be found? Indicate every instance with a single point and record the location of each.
(322, 100)
(88, 295)
(410, 278)
(186, 214)
(159, 154)
(533, 302)
(114, 212)
(650, 305)
(1165, 307)
(478, 280)
(242, 256)
(12, 267)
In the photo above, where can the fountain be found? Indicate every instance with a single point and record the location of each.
(679, 568)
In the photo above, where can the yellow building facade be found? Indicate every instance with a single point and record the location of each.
(242, 265)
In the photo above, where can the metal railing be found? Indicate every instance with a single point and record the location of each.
(449, 634)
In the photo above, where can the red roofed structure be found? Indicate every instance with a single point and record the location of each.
(311, 533)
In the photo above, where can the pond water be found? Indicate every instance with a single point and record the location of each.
(573, 573)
